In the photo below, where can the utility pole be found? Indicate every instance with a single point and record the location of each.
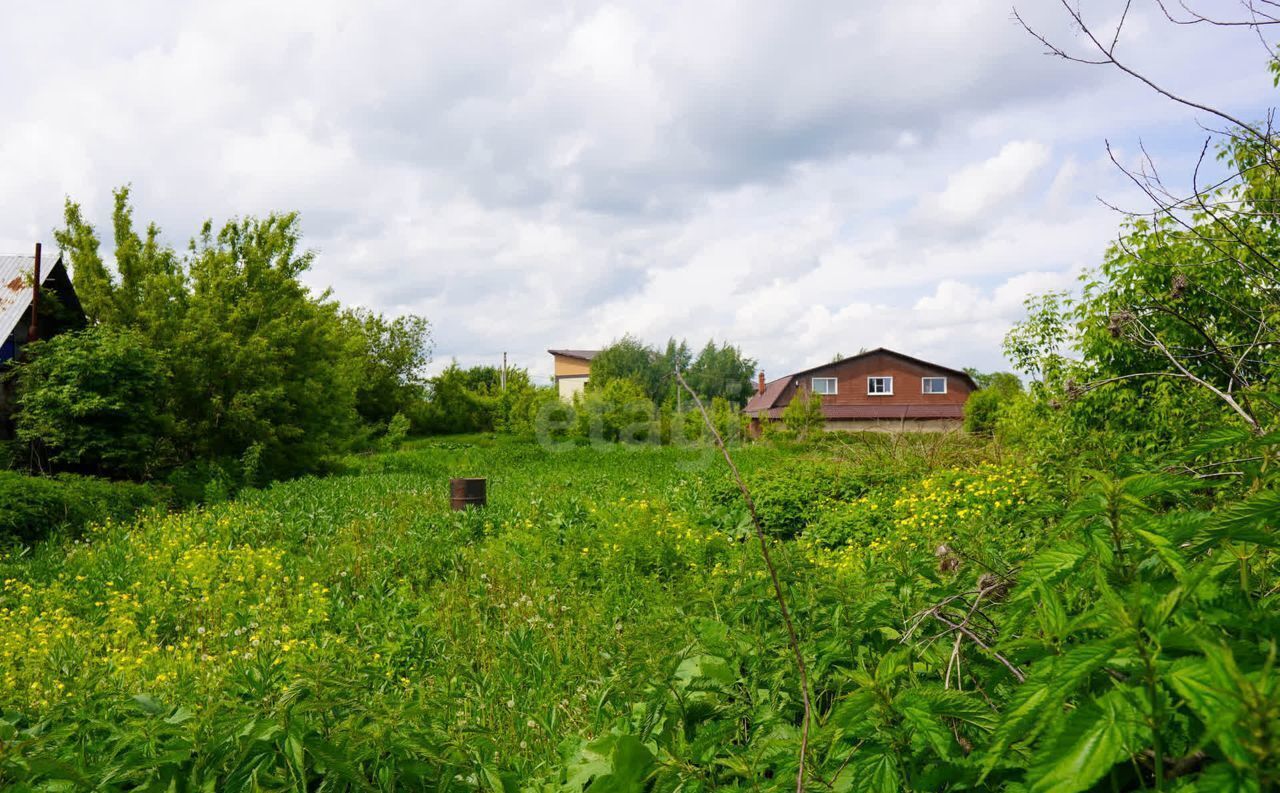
(504, 371)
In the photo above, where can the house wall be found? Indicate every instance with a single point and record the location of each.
(851, 385)
(568, 386)
(571, 367)
(893, 425)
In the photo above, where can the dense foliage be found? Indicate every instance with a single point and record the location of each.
(1084, 594)
(602, 623)
(214, 364)
(94, 400)
(717, 371)
(31, 507)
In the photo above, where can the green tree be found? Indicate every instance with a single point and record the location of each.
(151, 290)
(395, 352)
(722, 371)
(257, 362)
(94, 401)
(803, 414)
(629, 358)
(621, 411)
(983, 408)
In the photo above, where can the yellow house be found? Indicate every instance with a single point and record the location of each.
(573, 367)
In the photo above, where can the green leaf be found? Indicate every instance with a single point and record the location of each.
(1038, 701)
(1095, 737)
(1252, 520)
(926, 727)
(1217, 438)
(180, 715)
(1048, 565)
(702, 672)
(853, 713)
(631, 764)
(149, 704)
(1165, 550)
(1214, 699)
(874, 769)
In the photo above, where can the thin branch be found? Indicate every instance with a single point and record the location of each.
(1225, 397)
(773, 576)
(1108, 59)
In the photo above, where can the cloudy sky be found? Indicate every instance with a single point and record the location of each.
(800, 178)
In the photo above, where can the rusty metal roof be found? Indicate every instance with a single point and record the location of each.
(584, 355)
(15, 288)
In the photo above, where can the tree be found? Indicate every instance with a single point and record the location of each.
(395, 352)
(621, 411)
(257, 362)
(458, 400)
(94, 402)
(983, 408)
(631, 359)
(717, 371)
(1186, 298)
(151, 291)
(722, 371)
(803, 414)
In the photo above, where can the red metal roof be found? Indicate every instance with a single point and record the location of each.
(765, 399)
(768, 399)
(867, 412)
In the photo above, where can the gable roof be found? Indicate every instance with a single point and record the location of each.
(15, 288)
(769, 398)
(582, 355)
(762, 400)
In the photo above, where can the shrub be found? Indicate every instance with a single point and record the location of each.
(619, 411)
(94, 401)
(787, 498)
(33, 506)
(803, 414)
(984, 407)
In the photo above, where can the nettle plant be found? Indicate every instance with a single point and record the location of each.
(1135, 651)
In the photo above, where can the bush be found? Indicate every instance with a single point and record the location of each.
(787, 498)
(93, 401)
(33, 506)
(803, 414)
(619, 411)
(984, 407)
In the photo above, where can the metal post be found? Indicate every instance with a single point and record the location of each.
(33, 331)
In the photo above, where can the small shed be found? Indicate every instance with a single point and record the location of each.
(59, 308)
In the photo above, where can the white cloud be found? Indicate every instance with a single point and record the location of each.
(800, 178)
(982, 188)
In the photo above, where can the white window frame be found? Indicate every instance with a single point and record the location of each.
(888, 379)
(924, 380)
(813, 386)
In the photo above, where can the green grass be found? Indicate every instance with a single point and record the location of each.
(363, 605)
(606, 624)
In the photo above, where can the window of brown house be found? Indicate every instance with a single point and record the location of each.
(880, 386)
(823, 385)
(933, 385)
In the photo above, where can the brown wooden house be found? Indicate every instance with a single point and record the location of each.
(876, 390)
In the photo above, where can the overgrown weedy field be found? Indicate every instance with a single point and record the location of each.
(607, 624)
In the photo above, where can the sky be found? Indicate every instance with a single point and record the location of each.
(797, 178)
